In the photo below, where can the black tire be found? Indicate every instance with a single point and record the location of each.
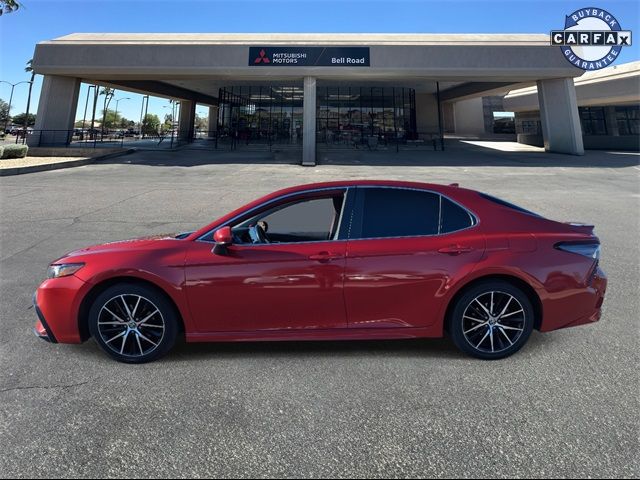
(491, 337)
(114, 315)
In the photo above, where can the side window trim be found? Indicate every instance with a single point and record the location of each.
(359, 209)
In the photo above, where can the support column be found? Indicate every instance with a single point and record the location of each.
(309, 123)
(559, 116)
(56, 111)
(187, 120)
(213, 122)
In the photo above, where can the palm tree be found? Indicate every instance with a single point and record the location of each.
(8, 6)
(108, 95)
(29, 69)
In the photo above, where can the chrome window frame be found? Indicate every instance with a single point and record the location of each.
(348, 190)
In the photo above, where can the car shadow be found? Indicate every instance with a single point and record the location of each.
(437, 348)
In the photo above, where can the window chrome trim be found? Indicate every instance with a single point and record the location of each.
(346, 189)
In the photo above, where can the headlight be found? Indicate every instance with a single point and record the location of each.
(63, 269)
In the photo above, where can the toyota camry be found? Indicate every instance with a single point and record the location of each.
(333, 261)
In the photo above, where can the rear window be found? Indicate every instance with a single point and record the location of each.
(454, 217)
(504, 203)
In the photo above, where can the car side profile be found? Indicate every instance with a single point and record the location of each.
(344, 260)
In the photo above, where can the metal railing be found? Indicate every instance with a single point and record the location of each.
(95, 139)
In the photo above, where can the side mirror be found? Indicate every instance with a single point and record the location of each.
(223, 238)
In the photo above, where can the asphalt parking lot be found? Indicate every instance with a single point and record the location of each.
(567, 405)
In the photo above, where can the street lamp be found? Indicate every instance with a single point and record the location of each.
(13, 85)
(124, 98)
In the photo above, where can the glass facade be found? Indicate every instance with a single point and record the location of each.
(593, 121)
(628, 119)
(344, 115)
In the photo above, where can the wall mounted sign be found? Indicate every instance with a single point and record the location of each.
(309, 56)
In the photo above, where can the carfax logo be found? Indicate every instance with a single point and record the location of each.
(592, 38)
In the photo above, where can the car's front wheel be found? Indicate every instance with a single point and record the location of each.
(133, 323)
(491, 320)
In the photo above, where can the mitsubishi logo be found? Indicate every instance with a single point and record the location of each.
(262, 58)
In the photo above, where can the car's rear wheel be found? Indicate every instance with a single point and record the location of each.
(491, 320)
(133, 323)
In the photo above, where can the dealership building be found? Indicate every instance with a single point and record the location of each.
(314, 89)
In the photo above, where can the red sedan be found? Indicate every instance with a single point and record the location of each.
(333, 261)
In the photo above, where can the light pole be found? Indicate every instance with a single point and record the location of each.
(124, 98)
(13, 85)
(86, 104)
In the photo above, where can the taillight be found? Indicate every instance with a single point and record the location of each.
(586, 249)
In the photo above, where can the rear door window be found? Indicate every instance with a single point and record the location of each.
(396, 212)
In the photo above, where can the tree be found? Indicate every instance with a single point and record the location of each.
(202, 123)
(110, 119)
(8, 6)
(21, 119)
(150, 124)
(4, 112)
(108, 95)
(29, 69)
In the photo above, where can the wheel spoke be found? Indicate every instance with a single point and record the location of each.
(117, 336)
(135, 309)
(491, 338)
(124, 340)
(505, 307)
(483, 339)
(491, 309)
(505, 336)
(148, 317)
(111, 323)
(126, 307)
(147, 339)
(483, 307)
(475, 328)
(114, 315)
(474, 319)
(510, 328)
(509, 314)
(139, 345)
(149, 325)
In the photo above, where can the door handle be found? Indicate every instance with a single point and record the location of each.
(324, 257)
(455, 249)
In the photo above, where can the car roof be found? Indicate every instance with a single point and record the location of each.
(365, 183)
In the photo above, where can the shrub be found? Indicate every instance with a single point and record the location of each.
(14, 151)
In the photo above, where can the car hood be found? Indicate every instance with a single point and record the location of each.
(142, 243)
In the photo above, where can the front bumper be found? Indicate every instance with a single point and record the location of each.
(42, 330)
(57, 305)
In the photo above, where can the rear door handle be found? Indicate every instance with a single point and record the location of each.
(455, 249)
(325, 257)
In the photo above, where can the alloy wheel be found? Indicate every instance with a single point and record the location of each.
(131, 325)
(493, 322)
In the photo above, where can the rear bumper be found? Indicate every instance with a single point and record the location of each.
(582, 307)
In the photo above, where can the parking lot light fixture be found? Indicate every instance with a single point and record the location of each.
(13, 85)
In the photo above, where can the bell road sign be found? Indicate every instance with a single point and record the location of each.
(309, 56)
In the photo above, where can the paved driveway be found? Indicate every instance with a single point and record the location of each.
(566, 405)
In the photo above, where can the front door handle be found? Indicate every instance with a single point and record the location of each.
(455, 249)
(325, 257)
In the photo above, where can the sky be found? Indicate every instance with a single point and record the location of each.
(40, 20)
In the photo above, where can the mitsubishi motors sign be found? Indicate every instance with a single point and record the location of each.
(309, 56)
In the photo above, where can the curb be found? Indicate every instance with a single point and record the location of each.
(58, 166)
